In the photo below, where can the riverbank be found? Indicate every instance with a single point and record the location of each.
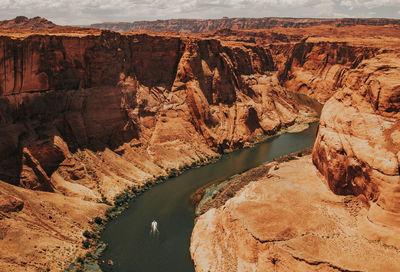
(92, 238)
(89, 260)
(285, 218)
(215, 195)
(148, 206)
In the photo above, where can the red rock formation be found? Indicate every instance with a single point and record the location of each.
(112, 89)
(87, 114)
(357, 148)
(22, 22)
(356, 154)
(286, 219)
(316, 69)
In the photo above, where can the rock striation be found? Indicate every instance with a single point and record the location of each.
(337, 210)
(357, 148)
(60, 94)
(287, 219)
(85, 116)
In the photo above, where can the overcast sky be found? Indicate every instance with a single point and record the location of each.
(77, 12)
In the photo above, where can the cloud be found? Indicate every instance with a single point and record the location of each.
(91, 11)
(369, 4)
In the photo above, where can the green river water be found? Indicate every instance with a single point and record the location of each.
(131, 246)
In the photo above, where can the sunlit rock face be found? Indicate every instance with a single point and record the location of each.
(84, 115)
(167, 95)
(358, 144)
(328, 211)
(288, 219)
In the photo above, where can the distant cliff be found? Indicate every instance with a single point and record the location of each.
(202, 26)
(22, 22)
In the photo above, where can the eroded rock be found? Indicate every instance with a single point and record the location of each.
(288, 220)
(357, 148)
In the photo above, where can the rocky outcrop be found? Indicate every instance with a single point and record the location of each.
(317, 69)
(357, 148)
(287, 219)
(338, 212)
(60, 94)
(202, 26)
(41, 230)
(22, 22)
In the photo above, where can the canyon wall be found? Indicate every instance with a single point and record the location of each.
(60, 94)
(203, 26)
(287, 219)
(84, 117)
(338, 209)
(357, 148)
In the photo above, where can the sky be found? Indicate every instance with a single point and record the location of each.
(83, 12)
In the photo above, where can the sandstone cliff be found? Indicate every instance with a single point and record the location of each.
(86, 114)
(60, 94)
(336, 211)
(83, 117)
(287, 219)
(357, 148)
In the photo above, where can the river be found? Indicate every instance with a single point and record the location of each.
(131, 246)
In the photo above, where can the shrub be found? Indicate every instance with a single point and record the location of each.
(86, 243)
(174, 172)
(87, 234)
(162, 178)
(121, 199)
(98, 220)
(110, 213)
(79, 260)
(105, 201)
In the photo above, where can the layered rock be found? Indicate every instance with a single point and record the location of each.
(287, 219)
(84, 117)
(340, 214)
(41, 230)
(62, 93)
(357, 148)
(317, 68)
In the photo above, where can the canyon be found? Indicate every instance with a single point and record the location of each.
(333, 210)
(86, 114)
